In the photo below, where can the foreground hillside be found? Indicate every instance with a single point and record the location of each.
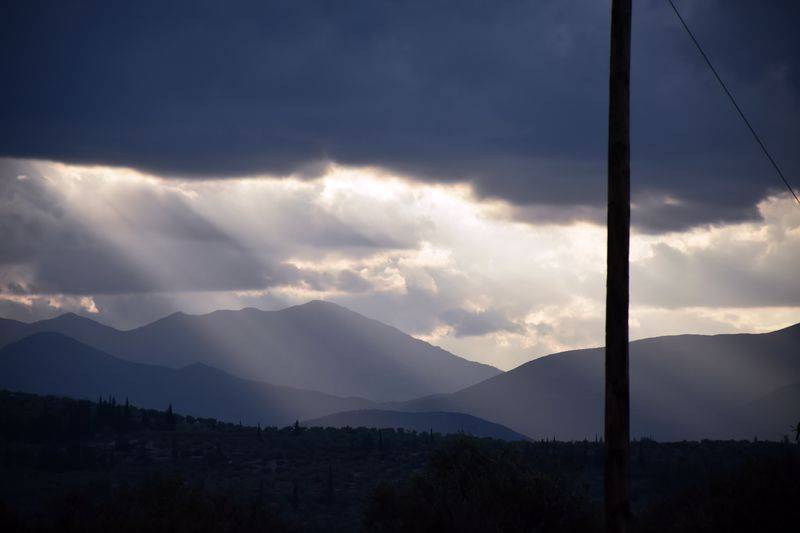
(70, 465)
(318, 346)
(682, 387)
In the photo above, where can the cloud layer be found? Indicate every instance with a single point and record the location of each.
(507, 96)
(436, 261)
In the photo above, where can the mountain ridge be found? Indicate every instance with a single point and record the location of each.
(682, 386)
(52, 363)
(317, 345)
(436, 421)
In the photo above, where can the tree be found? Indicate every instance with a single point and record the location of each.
(469, 487)
(169, 418)
(126, 416)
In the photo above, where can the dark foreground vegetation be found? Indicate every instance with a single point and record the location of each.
(70, 465)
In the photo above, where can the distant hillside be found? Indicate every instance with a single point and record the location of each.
(318, 345)
(682, 387)
(776, 413)
(439, 422)
(51, 363)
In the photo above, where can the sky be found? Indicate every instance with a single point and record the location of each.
(438, 166)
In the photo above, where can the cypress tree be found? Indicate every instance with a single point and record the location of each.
(126, 415)
(170, 418)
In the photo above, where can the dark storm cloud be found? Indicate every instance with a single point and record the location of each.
(353, 282)
(476, 323)
(508, 95)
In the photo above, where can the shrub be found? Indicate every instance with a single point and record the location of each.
(468, 487)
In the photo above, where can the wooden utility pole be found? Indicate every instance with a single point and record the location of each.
(617, 396)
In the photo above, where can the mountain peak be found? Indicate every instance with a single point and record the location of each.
(321, 304)
(70, 316)
(71, 323)
(69, 319)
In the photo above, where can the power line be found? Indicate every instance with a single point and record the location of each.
(733, 101)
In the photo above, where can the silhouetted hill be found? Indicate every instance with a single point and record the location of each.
(11, 330)
(439, 422)
(682, 387)
(776, 413)
(318, 345)
(51, 363)
(69, 324)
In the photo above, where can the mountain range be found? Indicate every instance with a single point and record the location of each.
(682, 387)
(54, 364)
(51, 363)
(343, 364)
(318, 346)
